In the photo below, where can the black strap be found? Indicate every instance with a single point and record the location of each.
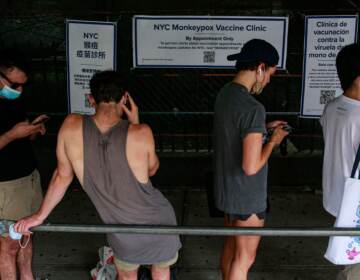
(356, 163)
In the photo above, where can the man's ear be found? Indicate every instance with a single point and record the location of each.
(261, 69)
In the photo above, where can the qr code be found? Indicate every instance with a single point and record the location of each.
(209, 57)
(326, 96)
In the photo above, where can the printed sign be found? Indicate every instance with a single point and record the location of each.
(324, 38)
(91, 48)
(202, 42)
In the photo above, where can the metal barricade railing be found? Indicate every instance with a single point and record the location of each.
(192, 230)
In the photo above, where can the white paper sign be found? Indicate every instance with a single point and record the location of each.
(202, 41)
(91, 48)
(324, 37)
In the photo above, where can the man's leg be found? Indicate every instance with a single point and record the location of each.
(245, 249)
(227, 253)
(125, 270)
(8, 252)
(126, 274)
(25, 255)
(160, 273)
(21, 198)
(24, 260)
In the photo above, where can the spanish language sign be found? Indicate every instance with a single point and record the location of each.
(324, 38)
(91, 48)
(202, 41)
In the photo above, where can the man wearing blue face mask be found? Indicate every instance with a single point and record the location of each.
(20, 189)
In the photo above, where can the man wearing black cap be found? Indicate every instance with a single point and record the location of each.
(240, 183)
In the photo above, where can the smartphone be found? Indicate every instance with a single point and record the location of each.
(127, 101)
(288, 128)
(41, 121)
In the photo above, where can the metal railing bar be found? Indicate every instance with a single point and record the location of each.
(191, 230)
(165, 113)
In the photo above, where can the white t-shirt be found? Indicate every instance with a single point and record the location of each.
(341, 129)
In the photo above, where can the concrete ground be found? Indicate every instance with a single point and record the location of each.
(71, 256)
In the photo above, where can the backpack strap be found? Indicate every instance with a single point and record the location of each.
(356, 163)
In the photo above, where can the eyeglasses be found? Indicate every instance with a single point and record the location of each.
(12, 85)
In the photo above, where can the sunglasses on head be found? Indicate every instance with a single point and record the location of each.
(12, 85)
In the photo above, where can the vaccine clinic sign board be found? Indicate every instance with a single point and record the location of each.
(201, 41)
(324, 37)
(91, 48)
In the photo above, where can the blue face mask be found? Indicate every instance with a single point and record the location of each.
(9, 93)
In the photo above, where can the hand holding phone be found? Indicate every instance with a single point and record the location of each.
(42, 120)
(287, 128)
(127, 100)
(130, 109)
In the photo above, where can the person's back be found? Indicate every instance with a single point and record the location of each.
(139, 139)
(119, 192)
(341, 128)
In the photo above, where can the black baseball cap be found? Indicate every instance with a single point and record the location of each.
(256, 50)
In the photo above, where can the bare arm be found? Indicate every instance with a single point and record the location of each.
(59, 183)
(153, 158)
(18, 131)
(255, 155)
(4, 140)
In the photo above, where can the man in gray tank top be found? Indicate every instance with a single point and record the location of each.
(113, 160)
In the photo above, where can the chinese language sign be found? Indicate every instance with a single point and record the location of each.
(91, 48)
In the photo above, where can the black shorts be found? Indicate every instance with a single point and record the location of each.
(244, 217)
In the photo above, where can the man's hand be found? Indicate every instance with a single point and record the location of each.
(278, 135)
(131, 111)
(276, 123)
(42, 128)
(24, 129)
(22, 226)
(39, 119)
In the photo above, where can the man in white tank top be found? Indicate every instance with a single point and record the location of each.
(341, 129)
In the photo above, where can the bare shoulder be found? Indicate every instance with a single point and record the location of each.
(72, 120)
(140, 133)
(72, 124)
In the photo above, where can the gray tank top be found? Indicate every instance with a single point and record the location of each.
(121, 199)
